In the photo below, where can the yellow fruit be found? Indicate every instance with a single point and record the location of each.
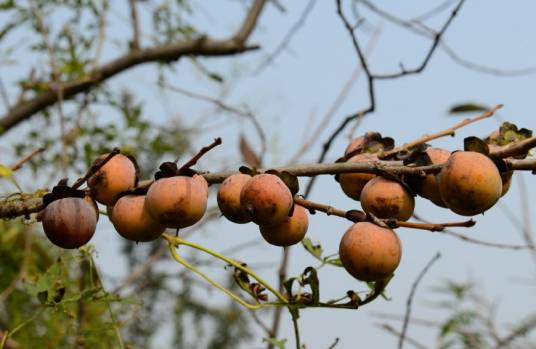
(369, 252)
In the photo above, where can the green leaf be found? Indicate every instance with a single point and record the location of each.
(315, 250)
(468, 107)
(278, 343)
(5, 171)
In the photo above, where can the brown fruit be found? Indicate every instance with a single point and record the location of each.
(132, 221)
(352, 183)
(115, 177)
(229, 198)
(369, 252)
(177, 202)
(386, 198)
(69, 222)
(290, 231)
(429, 188)
(506, 177)
(469, 183)
(267, 199)
(93, 204)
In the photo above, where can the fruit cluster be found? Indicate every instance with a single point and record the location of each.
(468, 182)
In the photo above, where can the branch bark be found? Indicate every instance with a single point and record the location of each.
(202, 46)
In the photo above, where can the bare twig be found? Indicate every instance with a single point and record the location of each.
(16, 166)
(95, 168)
(393, 331)
(410, 299)
(516, 148)
(135, 43)
(525, 212)
(282, 275)
(476, 241)
(288, 37)
(102, 33)
(448, 132)
(225, 107)
(201, 46)
(4, 95)
(341, 97)
(200, 154)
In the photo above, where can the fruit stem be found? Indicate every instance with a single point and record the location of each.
(93, 169)
(175, 241)
(198, 156)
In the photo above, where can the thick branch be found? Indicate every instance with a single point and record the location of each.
(202, 46)
(11, 208)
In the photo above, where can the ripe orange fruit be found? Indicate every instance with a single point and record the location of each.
(429, 188)
(177, 202)
(132, 220)
(352, 183)
(387, 199)
(290, 231)
(116, 176)
(229, 198)
(469, 183)
(267, 199)
(369, 252)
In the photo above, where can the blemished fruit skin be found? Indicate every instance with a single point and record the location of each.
(116, 176)
(132, 220)
(387, 199)
(369, 252)
(429, 188)
(290, 231)
(267, 199)
(352, 183)
(69, 222)
(229, 198)
(470, 183)
(177, 202)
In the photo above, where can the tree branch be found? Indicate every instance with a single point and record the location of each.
(202, 46)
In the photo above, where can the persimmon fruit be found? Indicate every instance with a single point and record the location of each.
(352, 183)
(69, 222)
(229, 198)
(177, 202)
(116, 176)
(470, 183)
(429, 187)
(370, 252)
(132, 220)
(387, 198)
(266, 199)
(289, 232)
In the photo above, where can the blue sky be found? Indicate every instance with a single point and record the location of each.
(293, 94)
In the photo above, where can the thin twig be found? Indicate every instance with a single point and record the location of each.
(288, 37)
(225, 107)
(410, 299)
(393, 331)
(135, 43)
(282, 275)
(448, 132)
(95, 168)
(200, 154)
(16, 166)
